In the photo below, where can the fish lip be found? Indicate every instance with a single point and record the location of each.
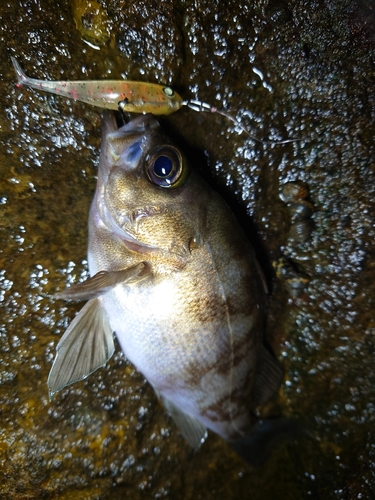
(139, 124)
(140, 133)
(128, 144)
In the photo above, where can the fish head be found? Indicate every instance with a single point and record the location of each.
(147, 194)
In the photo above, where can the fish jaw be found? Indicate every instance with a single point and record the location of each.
(136, 135)
(122, 150)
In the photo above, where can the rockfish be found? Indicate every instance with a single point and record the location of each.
(177, 281)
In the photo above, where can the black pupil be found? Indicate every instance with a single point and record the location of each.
(163, 166)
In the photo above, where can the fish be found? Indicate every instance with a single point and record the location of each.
(175, 278)
(134, 96)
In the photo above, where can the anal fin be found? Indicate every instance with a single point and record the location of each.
(192, 430)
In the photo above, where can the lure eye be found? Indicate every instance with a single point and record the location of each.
(166, 167)
(168, 91)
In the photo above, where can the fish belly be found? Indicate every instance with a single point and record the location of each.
(205, 369)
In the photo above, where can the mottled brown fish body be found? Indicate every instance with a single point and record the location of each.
(191, 320)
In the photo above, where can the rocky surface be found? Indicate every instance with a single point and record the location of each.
(283, 70)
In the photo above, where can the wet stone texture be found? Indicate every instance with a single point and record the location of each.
(284, 70)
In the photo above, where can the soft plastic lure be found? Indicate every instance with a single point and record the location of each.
(136, 97)
(127, 96)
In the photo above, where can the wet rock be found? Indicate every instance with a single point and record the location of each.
(91, 21)
(296, 281)
(288, 74)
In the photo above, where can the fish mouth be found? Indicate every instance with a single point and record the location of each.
(129, 143)
(113, 123)
(140, 124)
(126, 145)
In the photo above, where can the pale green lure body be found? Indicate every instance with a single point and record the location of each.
(135, 97)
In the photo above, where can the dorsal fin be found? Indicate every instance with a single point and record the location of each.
(267, 379)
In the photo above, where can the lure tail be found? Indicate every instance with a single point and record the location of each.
(22, 78)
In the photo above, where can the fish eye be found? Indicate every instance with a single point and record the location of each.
(168, 91)
(166, 167)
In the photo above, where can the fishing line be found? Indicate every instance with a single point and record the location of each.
(203, 107)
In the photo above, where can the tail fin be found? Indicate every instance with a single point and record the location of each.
(258, 446)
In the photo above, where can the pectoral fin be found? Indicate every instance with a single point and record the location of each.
(85, 346)
(192, 430)
(268, 378)
(104, 281)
